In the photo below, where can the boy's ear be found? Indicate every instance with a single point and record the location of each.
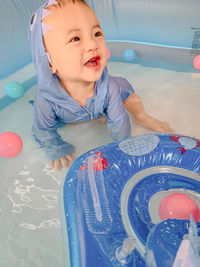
(52, 67)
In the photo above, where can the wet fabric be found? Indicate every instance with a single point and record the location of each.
(53, 104)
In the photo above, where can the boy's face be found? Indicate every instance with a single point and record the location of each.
(75, 43)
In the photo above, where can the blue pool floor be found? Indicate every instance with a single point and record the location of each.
(30, 228)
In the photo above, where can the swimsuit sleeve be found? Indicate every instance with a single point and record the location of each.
(126, 88)
(117, 119)
(45, 131)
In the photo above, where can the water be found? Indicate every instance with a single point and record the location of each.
(30, 232)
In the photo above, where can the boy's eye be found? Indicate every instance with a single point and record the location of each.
(75, 39)
(97, 34)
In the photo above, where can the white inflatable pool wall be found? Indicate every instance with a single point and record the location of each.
(155, 29)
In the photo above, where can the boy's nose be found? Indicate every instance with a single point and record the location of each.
(90, 44)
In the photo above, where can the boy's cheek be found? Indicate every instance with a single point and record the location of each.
(105, 53)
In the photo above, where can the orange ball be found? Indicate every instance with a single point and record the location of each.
(178, 206)
(10, 144)
(196, 62)
(108, 53)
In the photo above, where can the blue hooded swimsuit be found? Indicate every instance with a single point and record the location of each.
(53, 104)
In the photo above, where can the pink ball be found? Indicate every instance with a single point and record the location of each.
(196, 62)
(178, 206)
(108, 53)
(10, 145)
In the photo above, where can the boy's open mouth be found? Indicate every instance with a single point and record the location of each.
(93, 63)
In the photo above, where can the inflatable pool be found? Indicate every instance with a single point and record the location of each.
(106, 198)
(154, 29)
(164, 39)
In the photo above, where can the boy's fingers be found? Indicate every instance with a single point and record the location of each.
(62, 162)
(70, 157)
(51, 164)
(65, 162)
(57, 164)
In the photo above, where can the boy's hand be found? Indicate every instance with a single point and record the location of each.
(63, 162)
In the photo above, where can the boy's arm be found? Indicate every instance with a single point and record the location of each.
(117, 119)
(134, 106)
(45, 131)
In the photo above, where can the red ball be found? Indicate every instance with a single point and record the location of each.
(196, 62)
(10, 145)
(178, 206)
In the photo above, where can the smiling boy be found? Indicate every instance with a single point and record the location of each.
(70, 55)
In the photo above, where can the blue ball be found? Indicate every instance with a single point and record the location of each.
(14, 89)
(129, 55)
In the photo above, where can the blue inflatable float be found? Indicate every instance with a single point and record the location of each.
(106, 198)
